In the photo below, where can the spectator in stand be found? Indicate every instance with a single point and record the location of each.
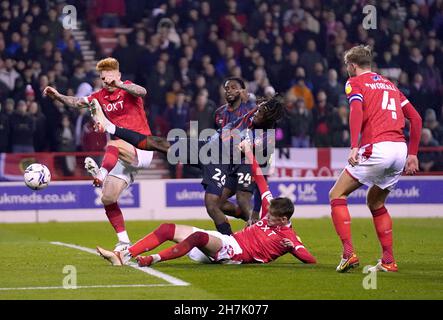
(157, 84)
(8, 74)
(419, 96)
(4, 131)
(310, 57)
(430, 122)
(340, 127)
(203, 112)
(428, 159)
(232, 20)
(110, 12)
(300, 90)
(66, 143)
(22, 130)
(128, 57)
(321, 118)
(300, 120)
(432, 81)
(178, 113)
(40, 124)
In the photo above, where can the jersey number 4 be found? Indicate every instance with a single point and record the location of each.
(389, 104)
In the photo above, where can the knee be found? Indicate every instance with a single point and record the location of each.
(374, 205)
(333, 194)
(199, 238)
(108, 199)
(167, 226)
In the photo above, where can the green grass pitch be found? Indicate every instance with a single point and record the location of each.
(29, 260)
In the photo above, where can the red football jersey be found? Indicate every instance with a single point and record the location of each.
(383, 119)
(262, 243)
(123, 109)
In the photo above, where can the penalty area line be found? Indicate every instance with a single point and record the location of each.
(155, 273)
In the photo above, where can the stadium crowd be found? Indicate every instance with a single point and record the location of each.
(181, 50)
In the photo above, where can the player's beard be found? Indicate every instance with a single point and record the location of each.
(232, 101)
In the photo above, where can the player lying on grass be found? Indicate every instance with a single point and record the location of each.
(377, 115)
(123, 104)
(269, 238)
(216, 171)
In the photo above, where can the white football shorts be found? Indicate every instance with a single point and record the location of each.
(229, 249)
(380, 164)
(127, 171)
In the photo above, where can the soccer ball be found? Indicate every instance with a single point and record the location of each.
(37, 176)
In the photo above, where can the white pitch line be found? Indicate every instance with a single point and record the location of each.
(170, 279)
(88, 287)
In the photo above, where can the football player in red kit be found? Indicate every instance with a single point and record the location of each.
(377, 112)
(266, 240)
(122, 102)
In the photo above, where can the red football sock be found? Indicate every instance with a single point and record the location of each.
(342, 223)
(110, 158)
(197, 239)
(163, 233)
(115, 217)
(383, 226)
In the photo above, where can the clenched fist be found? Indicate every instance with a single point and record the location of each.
(50, 92)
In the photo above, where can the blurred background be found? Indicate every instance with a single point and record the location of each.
(182, 50)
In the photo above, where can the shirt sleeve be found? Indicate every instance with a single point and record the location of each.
(262, 185)
(92, 96)
(353, 91)
(301, 253)
(403, 100)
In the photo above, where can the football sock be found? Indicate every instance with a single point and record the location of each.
(123, 237)
(224, 228)
(136, 139)
(198, 239)
(115, 217)
(163, 233)
(383, 226)
(110, 159)
(342, 223)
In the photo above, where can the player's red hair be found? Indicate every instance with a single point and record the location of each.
(107, 64)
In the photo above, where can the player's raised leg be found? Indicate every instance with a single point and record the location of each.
(138, 140)
(375, 199)
(342, 219)
(115, 149)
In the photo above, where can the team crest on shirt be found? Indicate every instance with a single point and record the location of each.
(376, 77)
(348, 88)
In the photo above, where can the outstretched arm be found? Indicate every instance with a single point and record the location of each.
(67, 100)
(299, 251)
(258, 176)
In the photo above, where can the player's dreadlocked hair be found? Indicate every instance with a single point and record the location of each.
(274, 108)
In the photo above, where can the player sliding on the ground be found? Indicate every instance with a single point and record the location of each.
(269, 238)
(123, 104)
(378, 111)
(216, 171)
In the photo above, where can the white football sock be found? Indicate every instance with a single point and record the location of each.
(102, 173)
(123, 237)
(110, 127)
